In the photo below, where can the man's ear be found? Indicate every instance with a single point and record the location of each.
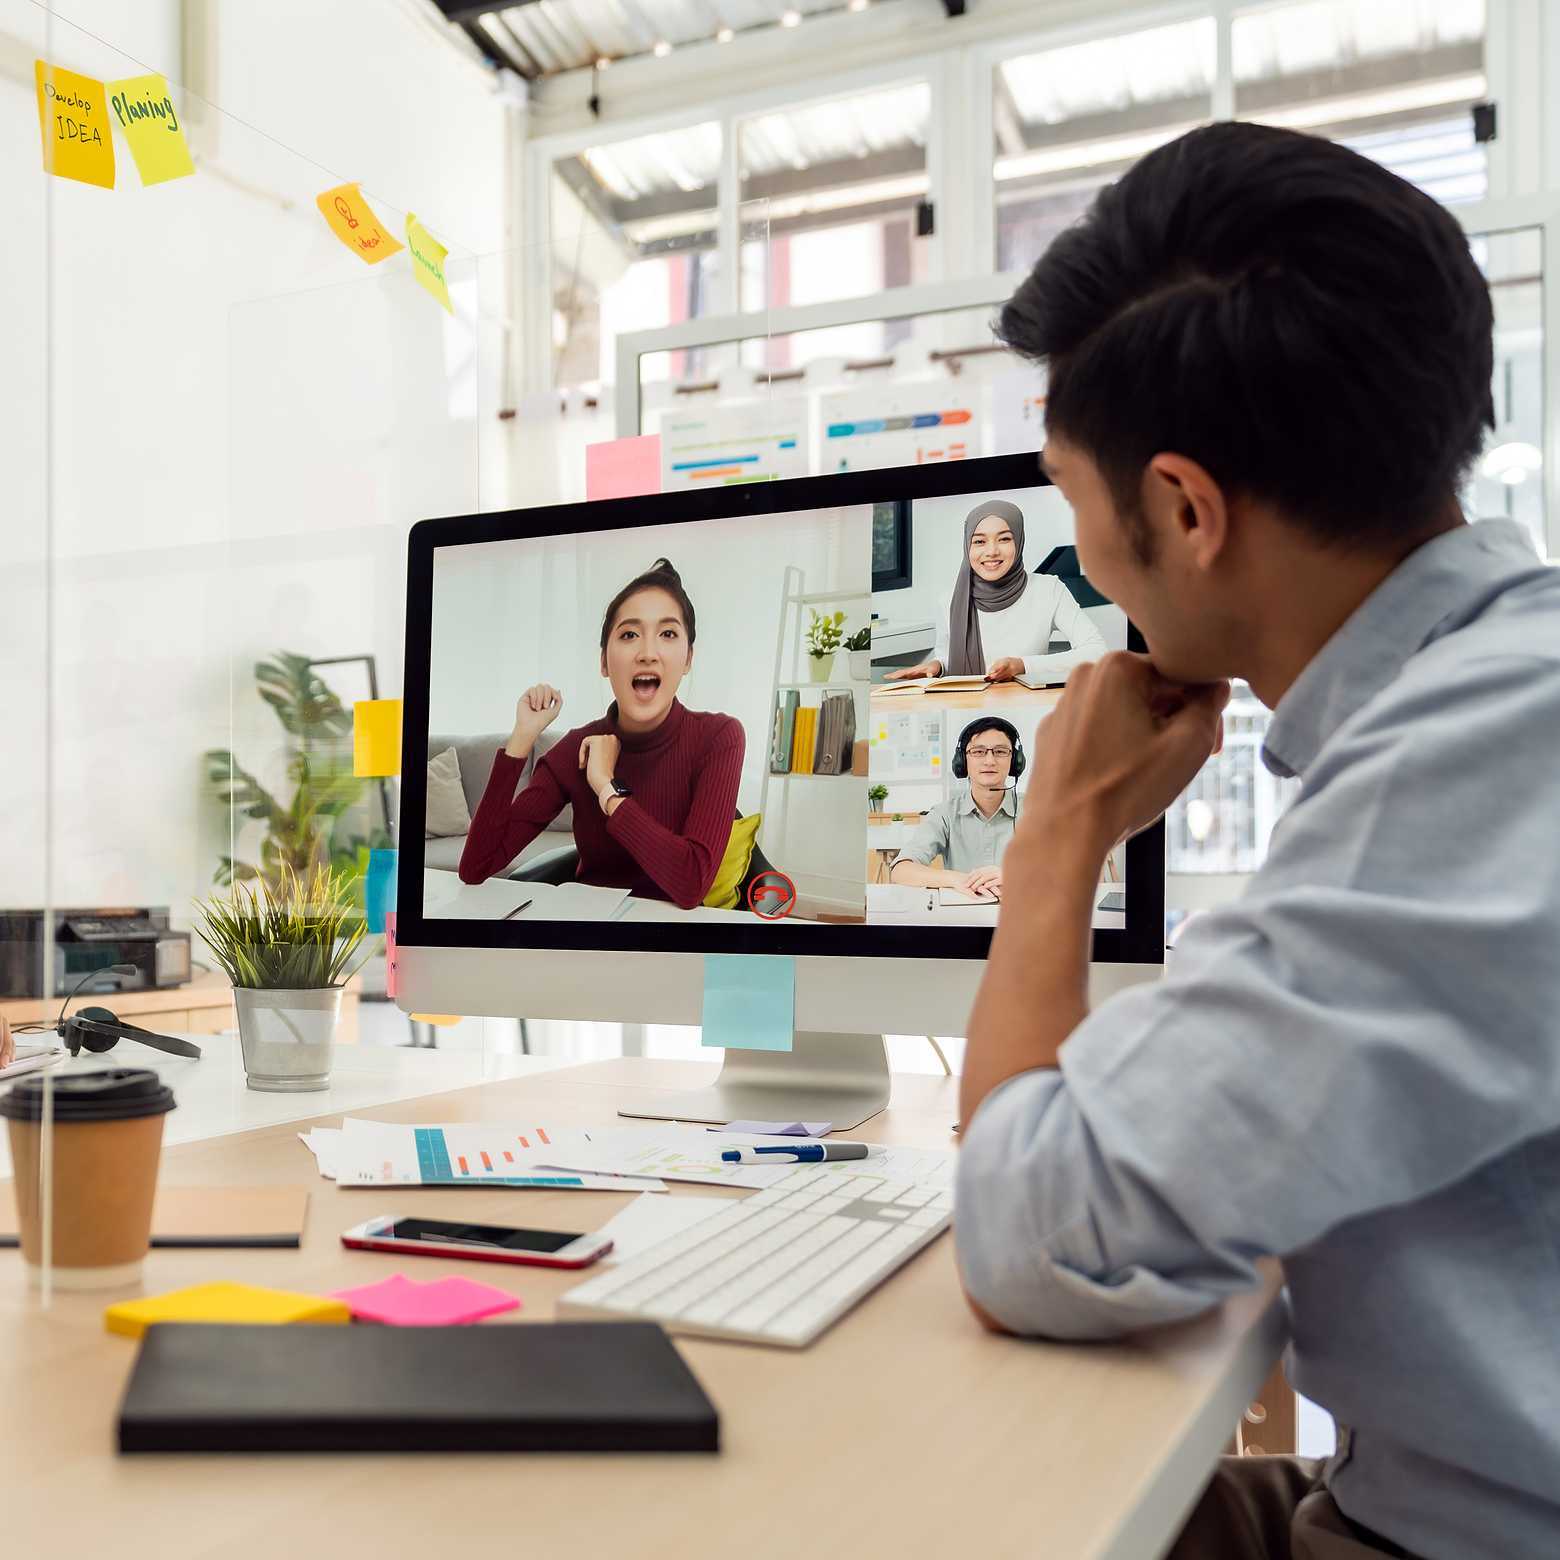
(1186, 506)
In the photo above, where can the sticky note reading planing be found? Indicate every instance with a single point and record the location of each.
(143, 109)
(622, 468)
(73, 119)
(376, 737)
(352, 220)
(428, 260)
(749, 1001)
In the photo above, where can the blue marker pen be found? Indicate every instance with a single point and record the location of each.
(794, 1154)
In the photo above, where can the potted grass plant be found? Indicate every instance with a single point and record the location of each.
(288, 944)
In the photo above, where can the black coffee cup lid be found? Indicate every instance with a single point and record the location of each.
(112, 1094)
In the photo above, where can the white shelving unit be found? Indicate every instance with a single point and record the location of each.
(790, 837)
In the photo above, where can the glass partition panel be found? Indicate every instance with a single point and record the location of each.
(845, 182)
(1394, 79)
(1069, 120)
(886, 391)
(634, 245)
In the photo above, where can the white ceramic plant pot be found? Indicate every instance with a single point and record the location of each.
(861, 666)
(822, 666)
(287, 1037)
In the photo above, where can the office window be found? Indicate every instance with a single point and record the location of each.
(1508, 480)
(1069, 120)
(1394, 79)
(830, 194)
(634, 246)
(1224, 819)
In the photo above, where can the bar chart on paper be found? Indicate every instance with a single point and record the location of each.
(379, 1153)
(762, 442)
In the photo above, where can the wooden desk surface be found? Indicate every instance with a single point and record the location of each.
(904, 1431)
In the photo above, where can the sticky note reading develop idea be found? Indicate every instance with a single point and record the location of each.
(428, 260)
(352, 220)
(73, 117)
(749, 1001)
(143, 109)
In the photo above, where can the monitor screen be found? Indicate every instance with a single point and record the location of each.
(708, 730)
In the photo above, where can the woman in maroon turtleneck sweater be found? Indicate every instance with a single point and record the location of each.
(653, 783)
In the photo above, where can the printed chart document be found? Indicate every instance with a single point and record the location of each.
(685, 1154)
(383, 1153)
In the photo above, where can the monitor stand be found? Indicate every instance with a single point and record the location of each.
(841, 1079)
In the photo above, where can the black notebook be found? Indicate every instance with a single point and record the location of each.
(560, 1387)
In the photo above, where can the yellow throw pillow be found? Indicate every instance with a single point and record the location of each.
(734, 864)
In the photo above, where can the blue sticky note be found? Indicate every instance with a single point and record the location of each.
(749, 1001)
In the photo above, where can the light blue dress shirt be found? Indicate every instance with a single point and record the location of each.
(1356, 1068)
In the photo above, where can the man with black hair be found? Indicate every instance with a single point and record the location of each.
(1269, 366)
(970, 831)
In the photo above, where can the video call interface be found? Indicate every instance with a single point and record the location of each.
(820, 718)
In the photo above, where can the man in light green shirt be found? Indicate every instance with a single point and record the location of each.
(970, 830)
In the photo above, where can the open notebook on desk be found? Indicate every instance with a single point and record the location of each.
(446, 898)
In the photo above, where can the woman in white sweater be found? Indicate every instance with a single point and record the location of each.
(1002, 618)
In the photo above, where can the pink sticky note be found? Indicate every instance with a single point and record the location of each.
(448, 1302)
(392, 967)
(621, 468)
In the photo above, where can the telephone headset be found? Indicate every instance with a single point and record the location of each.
(961, 764)
(96, 1029)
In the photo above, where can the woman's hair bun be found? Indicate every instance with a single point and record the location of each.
(664, 566)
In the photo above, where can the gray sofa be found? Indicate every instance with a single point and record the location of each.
(475, 755)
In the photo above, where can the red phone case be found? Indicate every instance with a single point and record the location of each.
(420, 1248)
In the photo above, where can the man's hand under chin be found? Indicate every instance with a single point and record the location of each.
(1119, 747)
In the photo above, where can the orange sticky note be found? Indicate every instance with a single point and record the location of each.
(352, 220)
(376, 737)
(621, 468)
(73, 119)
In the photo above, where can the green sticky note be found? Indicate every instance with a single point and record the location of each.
(749, 1001)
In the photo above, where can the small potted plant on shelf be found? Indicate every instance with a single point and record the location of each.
(823, 637)
(860, 646)
(876, 796)
(287, 944)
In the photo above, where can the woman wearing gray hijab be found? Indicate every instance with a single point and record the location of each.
(1003, 619)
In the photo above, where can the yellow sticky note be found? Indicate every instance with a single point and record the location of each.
(352, 220)
(428, 260)
(73, 117)
(376, 737)
(223, 1303)
(143, 109)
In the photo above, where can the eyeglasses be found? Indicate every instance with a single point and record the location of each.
(990, 752)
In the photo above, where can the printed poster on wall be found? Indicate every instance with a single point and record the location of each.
(720, 446)
(898, 425)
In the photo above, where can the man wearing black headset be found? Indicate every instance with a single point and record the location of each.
(972, 828)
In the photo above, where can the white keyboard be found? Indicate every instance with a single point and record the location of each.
(782, 1264)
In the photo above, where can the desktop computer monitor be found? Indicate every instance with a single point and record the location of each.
(605, 783)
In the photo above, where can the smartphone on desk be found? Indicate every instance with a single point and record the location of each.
(476, 1242)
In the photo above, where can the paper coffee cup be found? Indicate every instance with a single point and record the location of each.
(108, 1129)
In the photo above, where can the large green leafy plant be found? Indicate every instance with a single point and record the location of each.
(321, 823)
(291, 933)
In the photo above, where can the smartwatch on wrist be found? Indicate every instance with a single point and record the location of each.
(613, 787)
